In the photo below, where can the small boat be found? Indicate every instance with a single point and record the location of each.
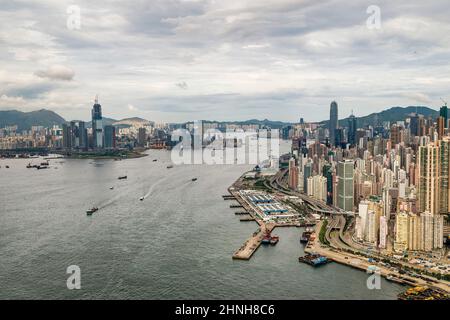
(266, 239)
(29, 166)
(111, 188)
(122, 177)
(141, 198)
(89, 212)
(154, 160)
(7, 167)
(169, 166)
(274, 240)
(41, 167)
(194, 179)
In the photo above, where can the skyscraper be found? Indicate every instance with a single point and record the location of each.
(97, 124)
(444, 114)
(351, 130)
(333, 122)
(293, 174)
(110, 137)
(345, 185)
(142, 135)
(83, 138)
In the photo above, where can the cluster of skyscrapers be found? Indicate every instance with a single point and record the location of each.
(394, 177)
(77, 136)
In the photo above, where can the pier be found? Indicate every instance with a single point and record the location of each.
(249, 247)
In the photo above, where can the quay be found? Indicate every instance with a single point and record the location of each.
(249, 247)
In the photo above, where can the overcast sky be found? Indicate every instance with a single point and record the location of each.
(179, 60)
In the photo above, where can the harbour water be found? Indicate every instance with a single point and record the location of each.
(176, 244)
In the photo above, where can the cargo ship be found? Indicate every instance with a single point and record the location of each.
(314, 260)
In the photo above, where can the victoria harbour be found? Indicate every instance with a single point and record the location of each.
(176, 244)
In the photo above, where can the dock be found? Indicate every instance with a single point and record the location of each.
(249, 247)
(246, 218)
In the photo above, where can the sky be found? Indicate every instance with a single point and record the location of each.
(184, 60)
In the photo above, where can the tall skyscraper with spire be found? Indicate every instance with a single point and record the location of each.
(97, 124)
(333, 122)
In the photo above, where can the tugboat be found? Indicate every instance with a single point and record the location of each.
(89, 212)
(122, 177)
(194, 179)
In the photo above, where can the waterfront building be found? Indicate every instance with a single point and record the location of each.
(142, 137)
(110, 137)
(401, 232)
(384, 230)
(97, 124)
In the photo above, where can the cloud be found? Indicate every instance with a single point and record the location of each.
(279, 59)
(56, 72)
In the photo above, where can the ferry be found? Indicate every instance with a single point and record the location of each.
(122, 177)
(89, 212)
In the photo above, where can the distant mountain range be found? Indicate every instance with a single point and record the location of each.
(25, 120)
(48, 118)
(392, 115)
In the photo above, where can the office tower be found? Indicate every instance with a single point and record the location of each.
(67, 136)
(444, 176)
(142, 137)
(444, 114)
(293, 174)
(83, 138)
(110, 137)
(345, 185)
(333, 122)
(352, 126)
(74, 134)
(97, 124)
(317, 187)
(328, 173)
(339, 137)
